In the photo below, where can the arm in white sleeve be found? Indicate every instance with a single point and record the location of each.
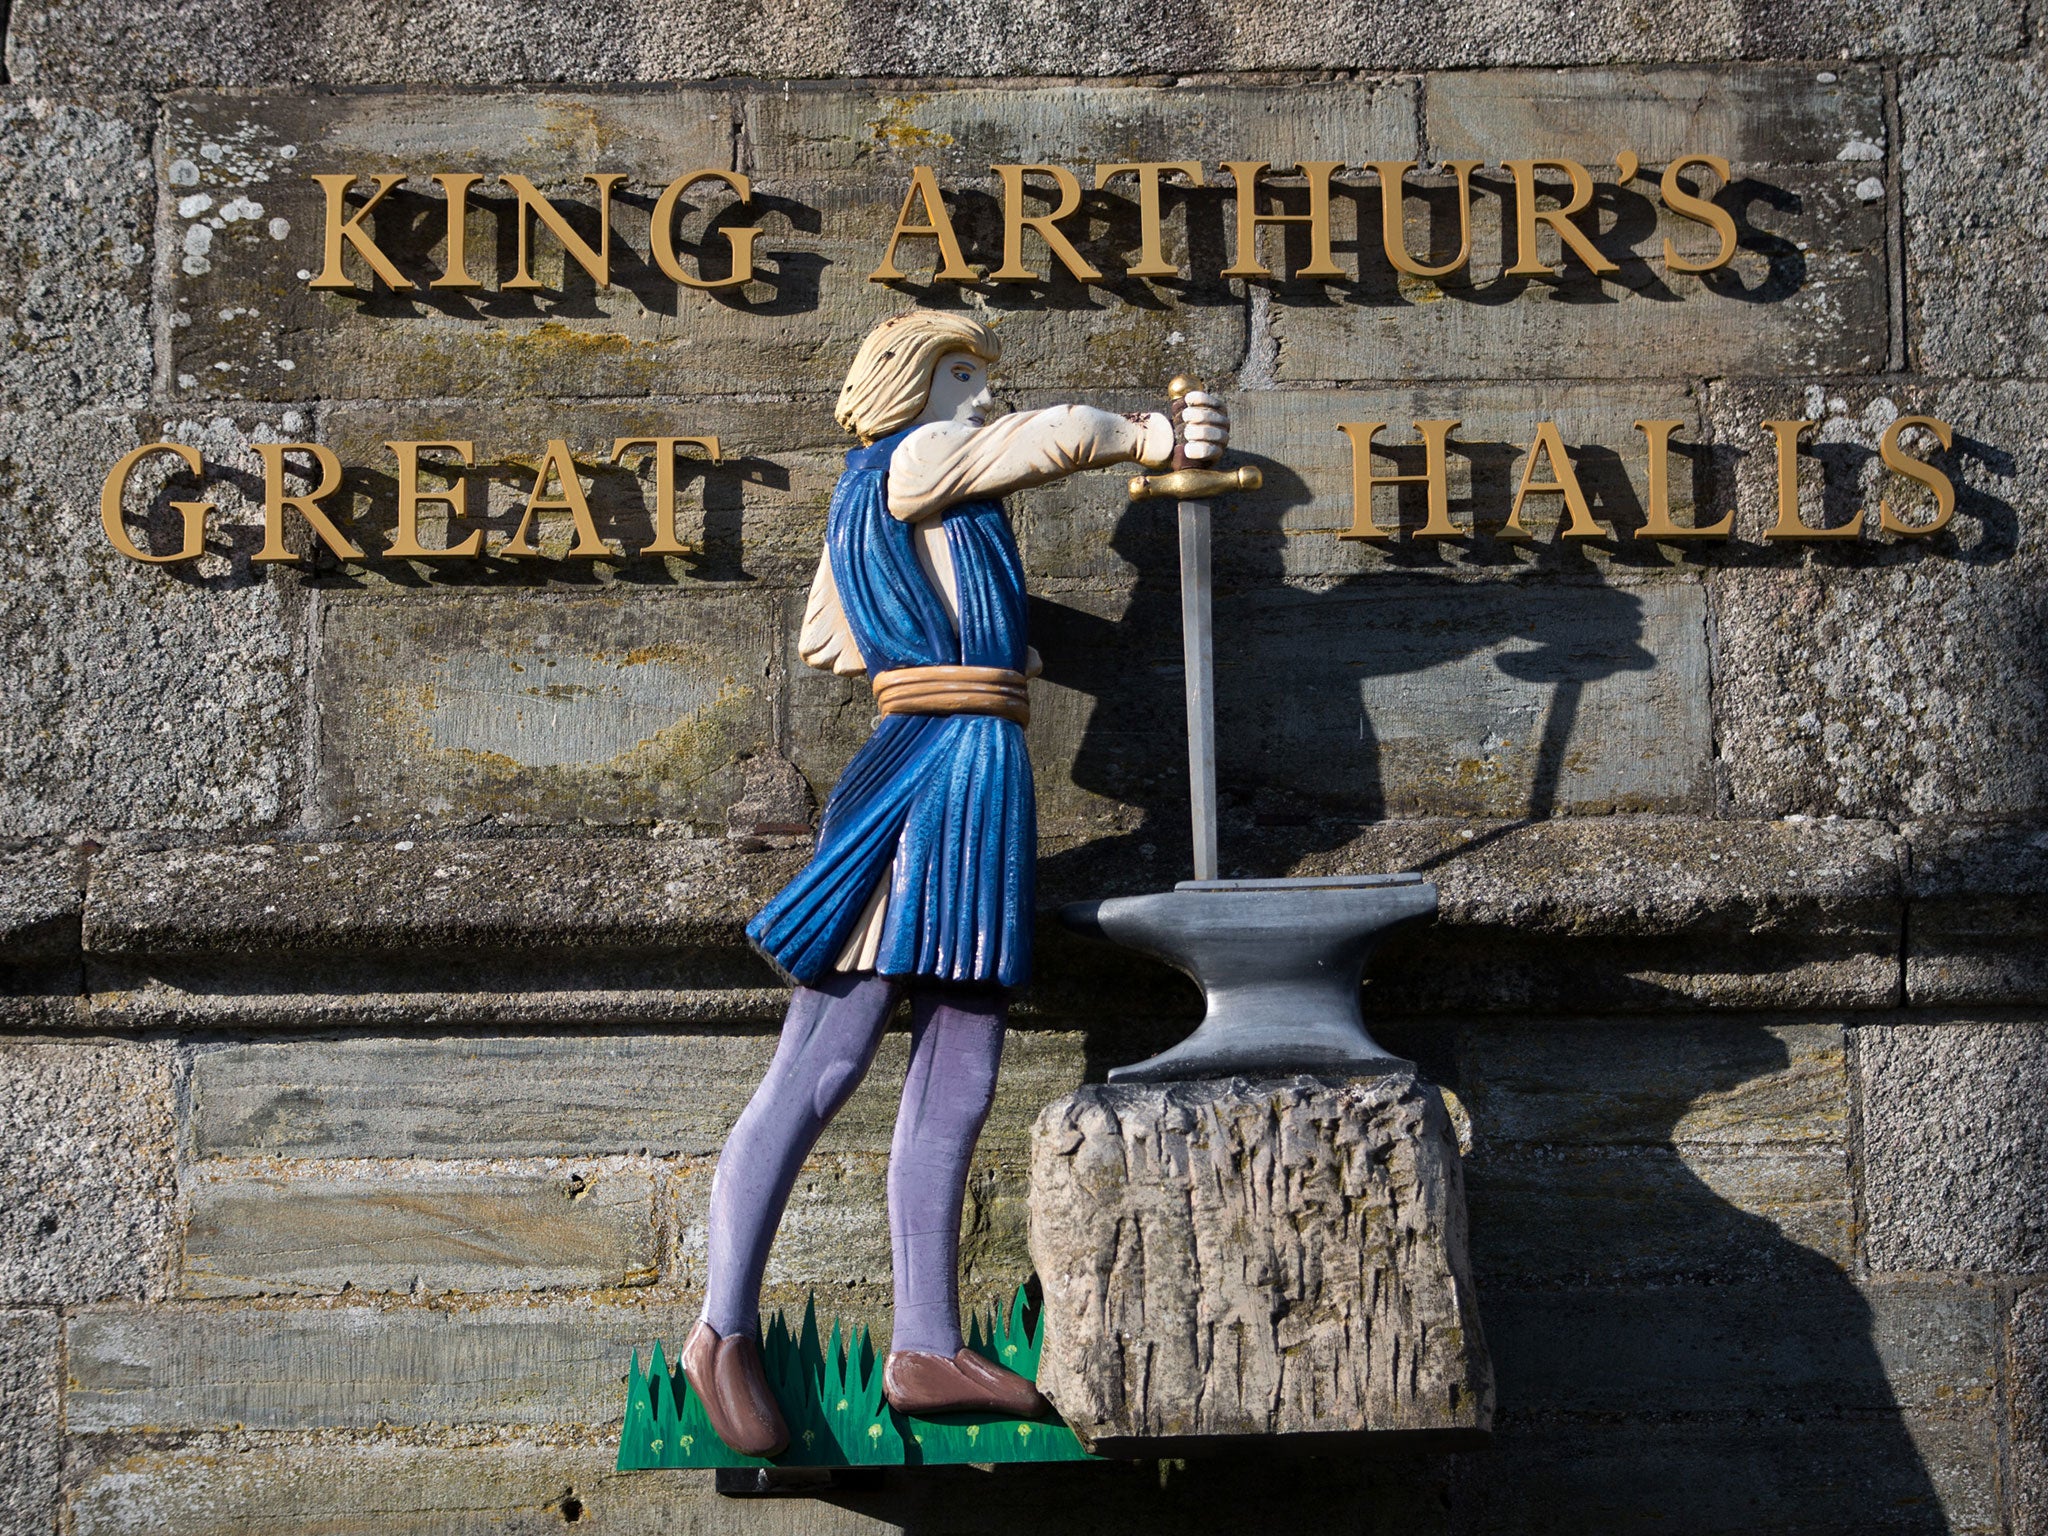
(943, 464)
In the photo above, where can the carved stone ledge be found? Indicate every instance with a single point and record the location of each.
(1611, 914)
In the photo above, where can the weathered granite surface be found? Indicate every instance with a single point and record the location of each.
(139, 696)
(87, 1194)
(77, 202)
(42, 891)
(1957, 1147)
(1889, 677)
(1256, 1259)
(239, 42)
(31, 1436)
(1977, 932)
(1973, 146)
(2027, 1364)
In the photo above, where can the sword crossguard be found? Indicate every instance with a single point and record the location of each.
(1195, 484)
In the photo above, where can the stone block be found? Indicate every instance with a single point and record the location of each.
(674, 894)
(2026, 1368)
(528, 709)
(1664, 912)
(1657, 1216)
(1751, 114)
(755, 520)
(157, 43)
(1976, 931)
(311, 1231)
(87, 1198)
(1832, 1347)
(1955, 1151)
(1880, 677)
(75, 230)
(30, 1421)
(1728, 1085)
(1791, 1473)
(143, 696)
(835, 1234)
(1806, 288)
(1973, 139)
(1233, 1259)
(817, 162)
(556, 1364)
(376, 1489)
(1625, 914)
(42, 891)
(384, 1487)
(1433, 699)
(661, 1094)
(1405, 696)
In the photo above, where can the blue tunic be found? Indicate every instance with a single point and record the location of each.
(946, 798)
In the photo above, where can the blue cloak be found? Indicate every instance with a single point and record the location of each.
(946, 798)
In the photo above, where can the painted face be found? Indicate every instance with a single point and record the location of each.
(959, 391)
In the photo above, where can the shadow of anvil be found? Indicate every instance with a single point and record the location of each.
(1279, 963)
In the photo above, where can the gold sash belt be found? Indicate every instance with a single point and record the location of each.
(953, 691)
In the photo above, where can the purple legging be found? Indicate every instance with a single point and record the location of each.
(828, 1042)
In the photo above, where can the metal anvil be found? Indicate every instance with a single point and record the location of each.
(1279, 963)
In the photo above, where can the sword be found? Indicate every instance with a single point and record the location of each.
(1192, 487)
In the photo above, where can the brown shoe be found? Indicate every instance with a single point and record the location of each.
(733, 1388)
(917, 1381)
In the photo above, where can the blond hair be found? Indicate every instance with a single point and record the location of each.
(891, 377)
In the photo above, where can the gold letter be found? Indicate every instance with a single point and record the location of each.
(557, 464)
(1685, 205)
(194, 512)
(953, 268)
(665, 487)
(1527, 214)
(1657, 524)
(1789, 525)
(275, 501)
(1899, 461)
(1013, 269)
(1551, 447)
(597, 263)
(457, 185)
(741, 240)
(405, 543)
(1435, 475)
(1246, 174)
(351, 230)
(1393, 174)
(1152, 260)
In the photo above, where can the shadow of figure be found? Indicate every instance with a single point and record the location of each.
(1668, 1361)
(1303, 675)
(1667, 1358)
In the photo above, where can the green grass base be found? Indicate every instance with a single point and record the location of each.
(831, 1394)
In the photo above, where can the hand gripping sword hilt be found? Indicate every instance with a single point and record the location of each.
(1184, 481)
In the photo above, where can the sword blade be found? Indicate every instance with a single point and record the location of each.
(1198, 658)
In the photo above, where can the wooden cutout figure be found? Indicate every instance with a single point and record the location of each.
(922, 883)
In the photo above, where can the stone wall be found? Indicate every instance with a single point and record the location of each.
(375, 994)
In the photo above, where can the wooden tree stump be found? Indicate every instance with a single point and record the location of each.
(1230, 1259)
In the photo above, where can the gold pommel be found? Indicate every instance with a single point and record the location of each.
(1195, 484)
(1179, 385)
